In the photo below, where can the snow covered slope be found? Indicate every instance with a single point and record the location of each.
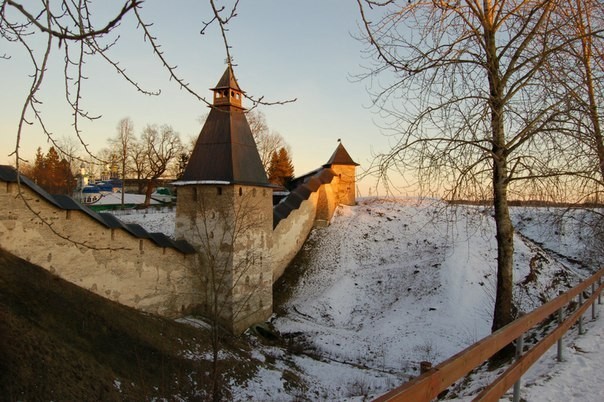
(392, 282)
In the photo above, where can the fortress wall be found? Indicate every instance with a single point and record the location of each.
(110, 262)
(291, 233)
(327, 202)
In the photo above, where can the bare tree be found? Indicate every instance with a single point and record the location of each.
(579, 70)
(230, 232)
(45, 27)
(121, 145)
(70, 150)
(267, 141)
(139, 164)
(161, 146)
(466, 105)
(73, 29)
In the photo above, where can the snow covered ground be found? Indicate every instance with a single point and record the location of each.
(579, 378)
(392, 282)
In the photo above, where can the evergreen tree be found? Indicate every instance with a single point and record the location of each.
(52, 180)
(281, 169)
(37, 172)
(52, 173)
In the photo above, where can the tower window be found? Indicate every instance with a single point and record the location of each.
(219, 190)
(240, 191)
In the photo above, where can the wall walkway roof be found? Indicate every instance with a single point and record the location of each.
(9, 174)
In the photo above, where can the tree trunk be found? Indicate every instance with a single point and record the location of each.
(150, 188)
(502, 314)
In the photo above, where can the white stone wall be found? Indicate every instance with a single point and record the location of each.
(138, 273)
(291, 233)
(110, 262)
(231, 226)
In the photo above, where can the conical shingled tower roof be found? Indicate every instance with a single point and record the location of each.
(225, 151)
(228, 81)
(340, 157)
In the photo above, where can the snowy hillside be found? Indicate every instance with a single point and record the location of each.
(392, 282)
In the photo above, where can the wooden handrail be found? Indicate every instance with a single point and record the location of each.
(427, 386)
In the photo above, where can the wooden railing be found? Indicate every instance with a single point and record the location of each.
(427, 386)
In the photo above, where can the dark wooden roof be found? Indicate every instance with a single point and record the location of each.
(225, 150)
(227, 81)
(301, 193)
(9, 174)
(340, 157)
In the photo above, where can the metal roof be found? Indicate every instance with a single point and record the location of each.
(340, 157)
(9, 174)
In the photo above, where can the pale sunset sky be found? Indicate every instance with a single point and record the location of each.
(281, 49)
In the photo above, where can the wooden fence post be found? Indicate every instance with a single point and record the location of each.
(519, 346)
(600, 294)
(581, 316)
(560, 320)
(593, 305)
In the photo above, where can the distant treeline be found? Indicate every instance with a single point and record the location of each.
(531, 203)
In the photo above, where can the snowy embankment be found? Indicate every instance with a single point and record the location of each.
(392, 282)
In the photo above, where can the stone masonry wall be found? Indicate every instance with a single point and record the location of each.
(323, 192)
(291, 233)
(110, 262)
(231, 226)
(249, 254)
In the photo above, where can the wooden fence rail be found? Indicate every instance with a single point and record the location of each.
(427, 386)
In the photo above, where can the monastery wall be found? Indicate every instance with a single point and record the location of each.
(311, 204)
(108, 261)
(291, 233)
(229, 225)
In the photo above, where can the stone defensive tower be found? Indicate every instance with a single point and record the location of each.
(224, 210)
(345, 170)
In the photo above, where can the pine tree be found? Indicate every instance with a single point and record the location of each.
(281, 169)
(52, 173)
(52, 180)
(37, 172)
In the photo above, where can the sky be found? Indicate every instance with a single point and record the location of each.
(281, 49)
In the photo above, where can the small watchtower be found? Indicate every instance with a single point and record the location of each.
(345, 169)
(224, 209)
